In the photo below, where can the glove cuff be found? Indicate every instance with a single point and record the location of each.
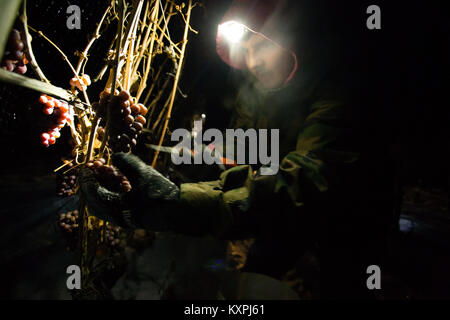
(204, 210)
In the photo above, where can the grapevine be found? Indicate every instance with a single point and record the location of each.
(131, 91)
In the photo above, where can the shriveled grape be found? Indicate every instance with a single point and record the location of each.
(127, 119)
(109, 176)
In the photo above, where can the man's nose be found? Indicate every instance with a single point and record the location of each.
(254, 63)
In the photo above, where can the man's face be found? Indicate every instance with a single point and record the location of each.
(269, 63)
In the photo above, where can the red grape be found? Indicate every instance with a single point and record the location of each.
(21, 69)
(112, 235)
(109, 176)
(14, 58)
(60, 112)
(8, 65)
(127, 120)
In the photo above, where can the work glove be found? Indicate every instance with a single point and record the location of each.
(152, 202)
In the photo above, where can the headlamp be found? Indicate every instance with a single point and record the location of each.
(232, 31)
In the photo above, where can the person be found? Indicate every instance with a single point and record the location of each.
(331, 193)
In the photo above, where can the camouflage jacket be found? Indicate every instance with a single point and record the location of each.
(322, 182)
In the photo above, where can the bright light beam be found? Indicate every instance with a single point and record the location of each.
(233, 31)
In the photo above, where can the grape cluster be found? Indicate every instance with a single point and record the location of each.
(127, 119)
(109, 176)
(69, 222)
(14, 59)
(83, 82)
(60, 114)
(66, 183)
(112, 235)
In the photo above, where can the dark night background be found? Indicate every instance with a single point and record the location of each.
(406, 57)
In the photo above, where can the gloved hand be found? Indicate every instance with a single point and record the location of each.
(149, 204)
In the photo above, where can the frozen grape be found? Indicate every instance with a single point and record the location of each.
(135, 109)
(124, 95)
(143, 109)
(141, 119)
(8, 65)
(129, 119)
(66, 183)
(60, 113)
(112, 235)
(69, 225)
